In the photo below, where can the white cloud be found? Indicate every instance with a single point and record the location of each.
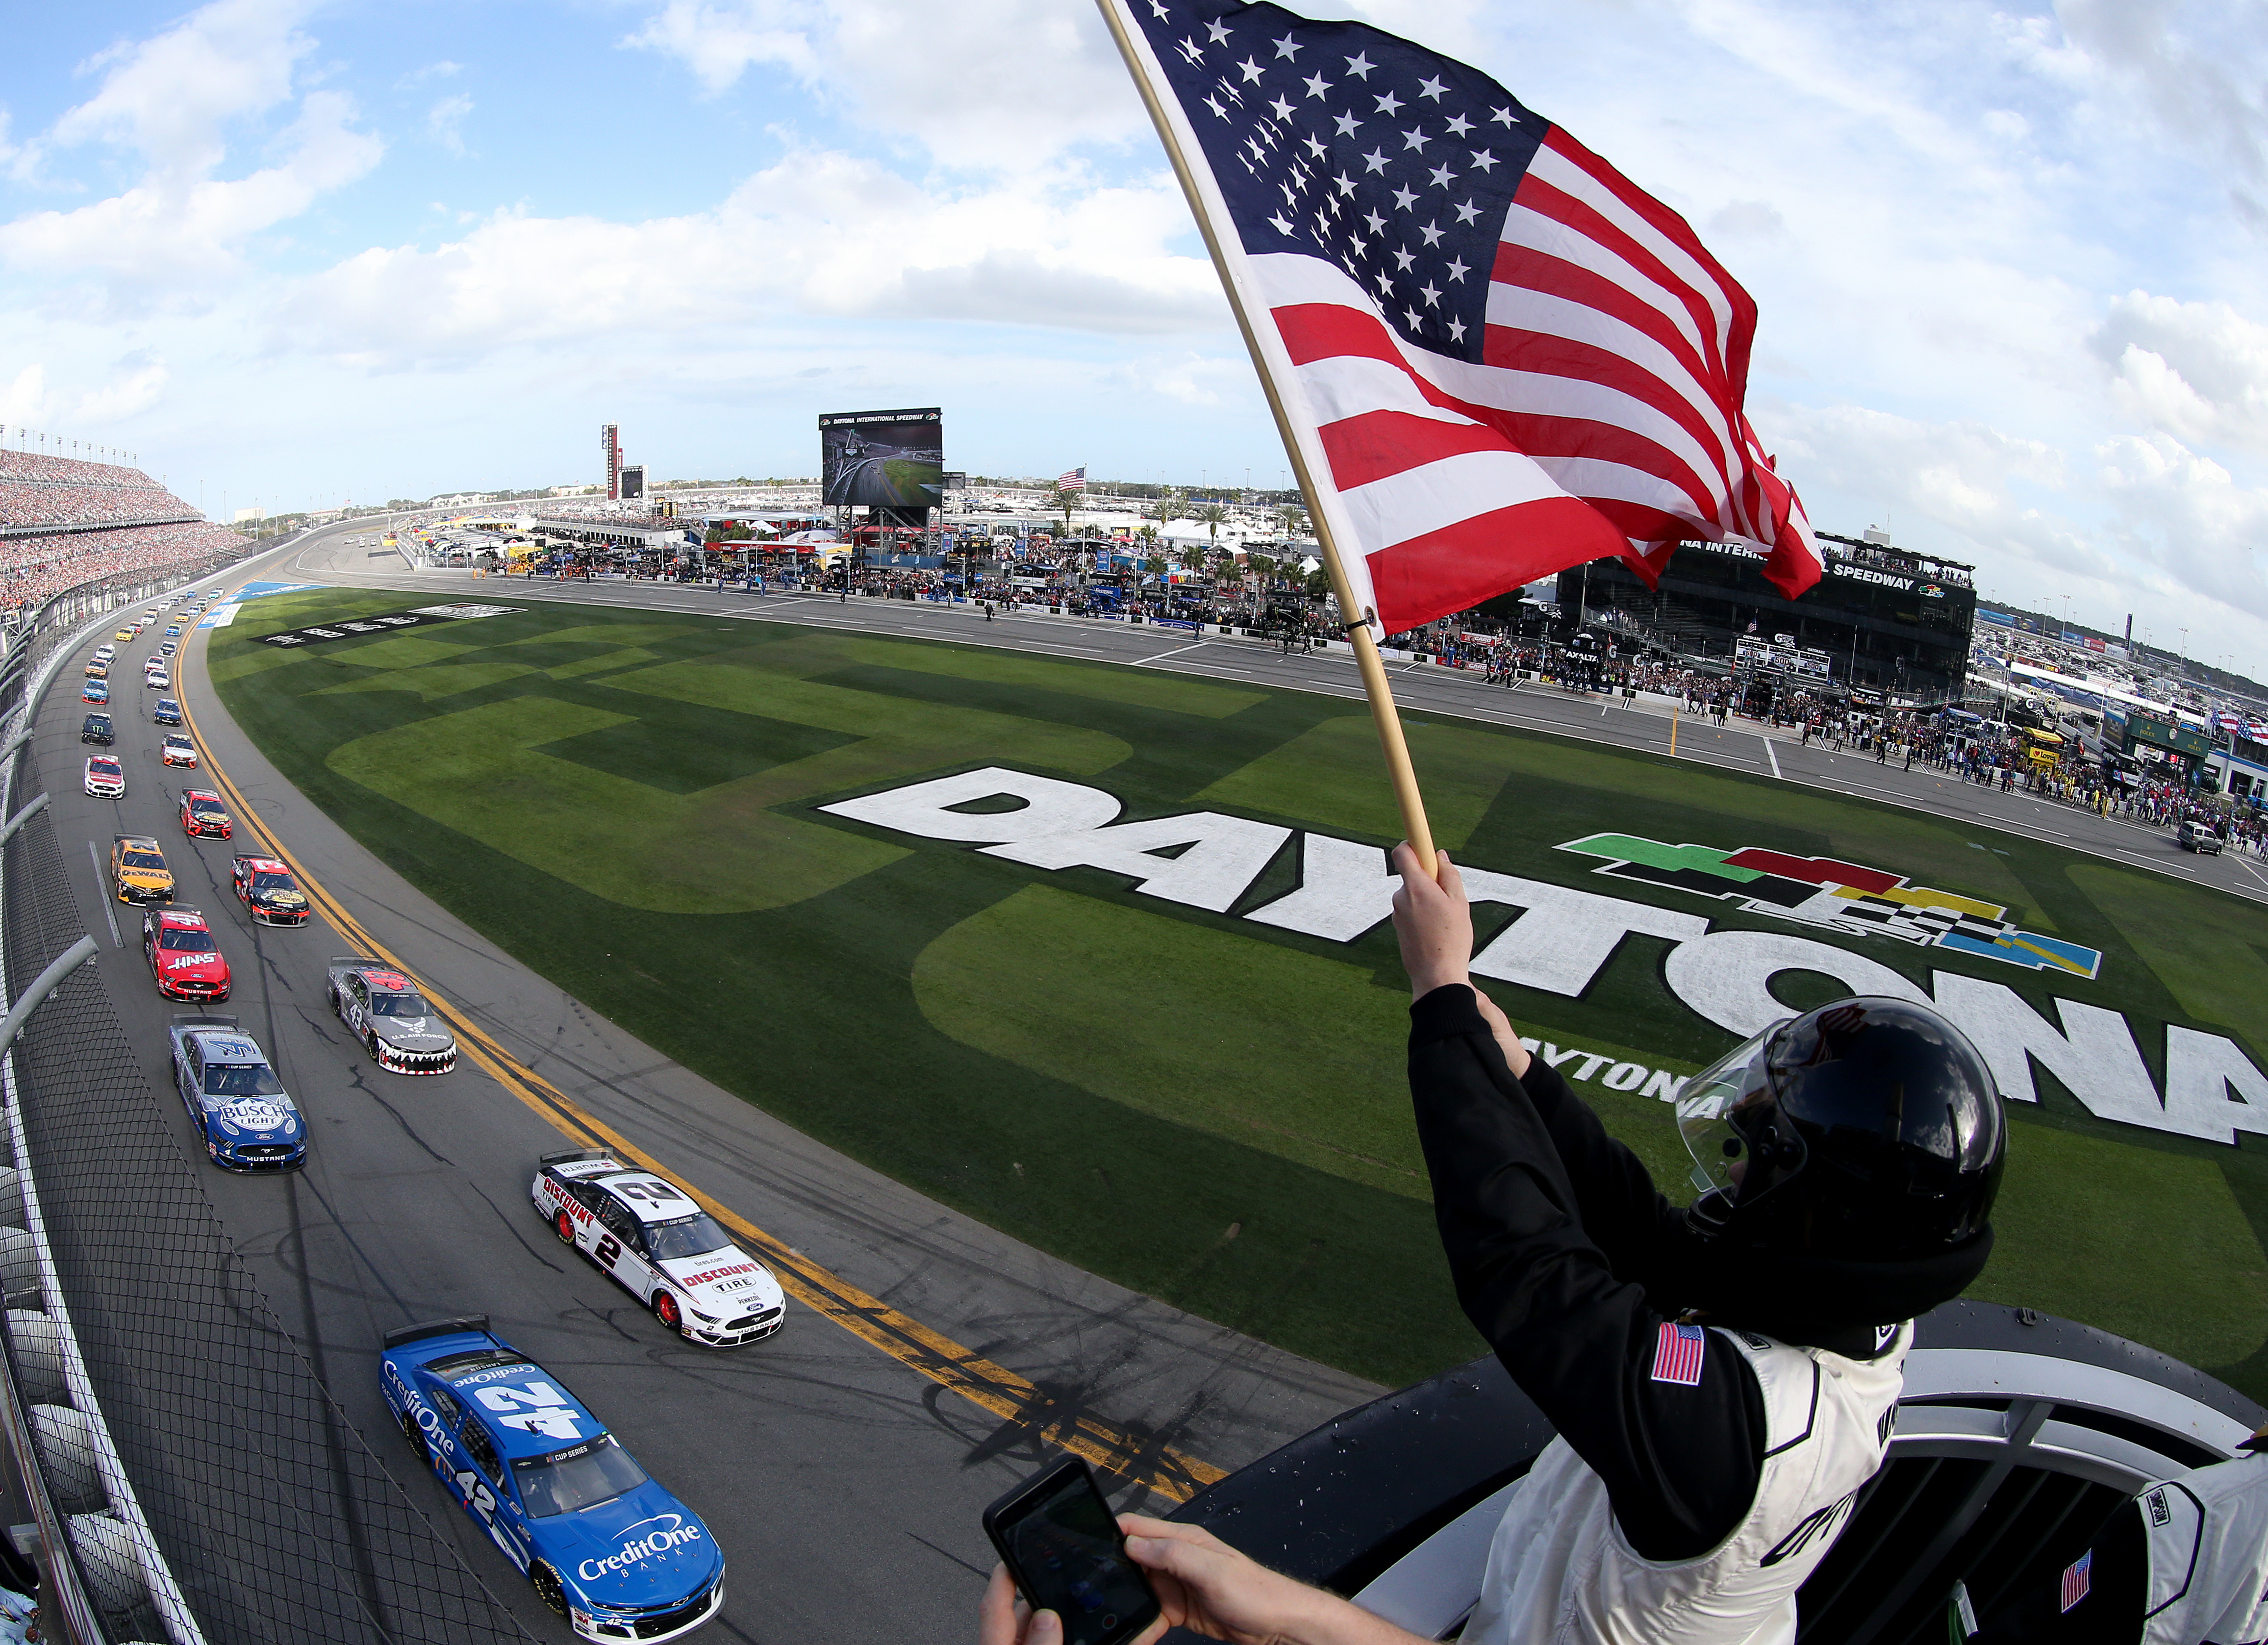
(820, 235)
(2197, 371)
(172, 100)
(24, 403)
(113, 402)
(176, 229)
(444, 123)
(990, 84)
(171, 97)
(719, 43)
(443, 69)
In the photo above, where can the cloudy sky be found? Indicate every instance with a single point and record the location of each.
(2012, 261)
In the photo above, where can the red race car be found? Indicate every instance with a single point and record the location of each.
(201, 813)
(182, 955)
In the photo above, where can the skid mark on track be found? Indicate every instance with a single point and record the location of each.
(512, 1228)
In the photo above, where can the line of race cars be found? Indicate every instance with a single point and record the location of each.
(603, 1544)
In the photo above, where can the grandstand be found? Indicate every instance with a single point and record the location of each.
(65, 523)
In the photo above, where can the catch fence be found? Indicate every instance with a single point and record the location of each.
(206, 1485)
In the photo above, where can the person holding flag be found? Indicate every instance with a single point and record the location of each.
(1491, 356)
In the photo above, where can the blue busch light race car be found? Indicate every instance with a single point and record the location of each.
(244, 1117)
(606, 1548)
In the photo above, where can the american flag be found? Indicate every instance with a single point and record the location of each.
(2078, 1577)
(1072, 478)
(1677, 1351)
(1498, 356)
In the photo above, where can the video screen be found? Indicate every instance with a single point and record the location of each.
(884, 459)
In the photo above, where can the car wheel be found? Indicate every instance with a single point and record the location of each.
(564, 1225)
(665, 1309)
(370, 1040)
(416, 1435)
(548, 1588)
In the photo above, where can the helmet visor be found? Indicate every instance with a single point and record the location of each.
(1707, 1107)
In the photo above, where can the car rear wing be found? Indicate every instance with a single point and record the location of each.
(462, 1326)
(148, 839)
(199, 1019)
(572, 1154)
(339, 960)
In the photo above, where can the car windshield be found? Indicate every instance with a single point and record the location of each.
(383, 1004)
(103, 768)
(205, 808)
(179, 941)
(242, 1079)
(272, 882)
(144, 859)
(569, 1480)
(685, 1237)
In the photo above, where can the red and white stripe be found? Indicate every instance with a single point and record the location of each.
(1605, 417)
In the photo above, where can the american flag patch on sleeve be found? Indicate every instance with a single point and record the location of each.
(2078, 1577)
(1677, 1354)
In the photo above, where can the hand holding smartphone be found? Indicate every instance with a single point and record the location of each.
(1061, 1544)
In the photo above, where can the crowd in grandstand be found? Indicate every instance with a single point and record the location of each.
(65, 471)
(50, 502)
(37, 490)
(33, 568)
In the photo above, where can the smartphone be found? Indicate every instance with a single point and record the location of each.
(1062, 1544)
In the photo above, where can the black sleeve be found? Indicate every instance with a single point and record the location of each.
(1624, 1214)
(1681, 1460)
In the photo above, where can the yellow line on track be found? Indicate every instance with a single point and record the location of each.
(1170, 1472)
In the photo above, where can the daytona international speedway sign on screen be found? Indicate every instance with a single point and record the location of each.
(1561, 938)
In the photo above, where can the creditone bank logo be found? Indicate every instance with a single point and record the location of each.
(1561, 938)
(1844, 896)
(675, 1534)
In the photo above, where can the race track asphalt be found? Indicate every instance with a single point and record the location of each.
(843, 1486)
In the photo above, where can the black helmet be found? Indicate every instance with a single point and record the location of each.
(1870, 1129)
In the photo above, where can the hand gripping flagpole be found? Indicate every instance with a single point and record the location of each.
(1358, 620)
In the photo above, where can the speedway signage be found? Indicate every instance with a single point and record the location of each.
(418, 618)
(1560, 938)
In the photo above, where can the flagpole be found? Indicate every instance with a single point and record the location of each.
(1375, 686)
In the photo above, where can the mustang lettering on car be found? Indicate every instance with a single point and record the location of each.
(604, 1544)
(245, 1117)
(138, 869)
(396, 1024)
(662, 1247)
(202, 813)
(269, 892)
(182, 955)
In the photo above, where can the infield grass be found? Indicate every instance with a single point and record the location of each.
(1202, 1108)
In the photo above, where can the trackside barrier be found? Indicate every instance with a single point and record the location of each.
(192, 1478)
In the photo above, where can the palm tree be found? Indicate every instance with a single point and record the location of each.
(1294, 521)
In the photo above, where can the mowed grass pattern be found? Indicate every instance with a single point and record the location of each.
(1195, 1105)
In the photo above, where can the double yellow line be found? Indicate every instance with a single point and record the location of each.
(1170, 1472)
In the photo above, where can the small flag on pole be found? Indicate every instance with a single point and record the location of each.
(1493, 356)
(1072, 478)
(2078, 1579)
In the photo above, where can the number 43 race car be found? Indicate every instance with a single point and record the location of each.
(666, 1251)
(606, 1548)
(383, 1009)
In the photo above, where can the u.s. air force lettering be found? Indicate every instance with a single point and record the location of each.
(1561, 938)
